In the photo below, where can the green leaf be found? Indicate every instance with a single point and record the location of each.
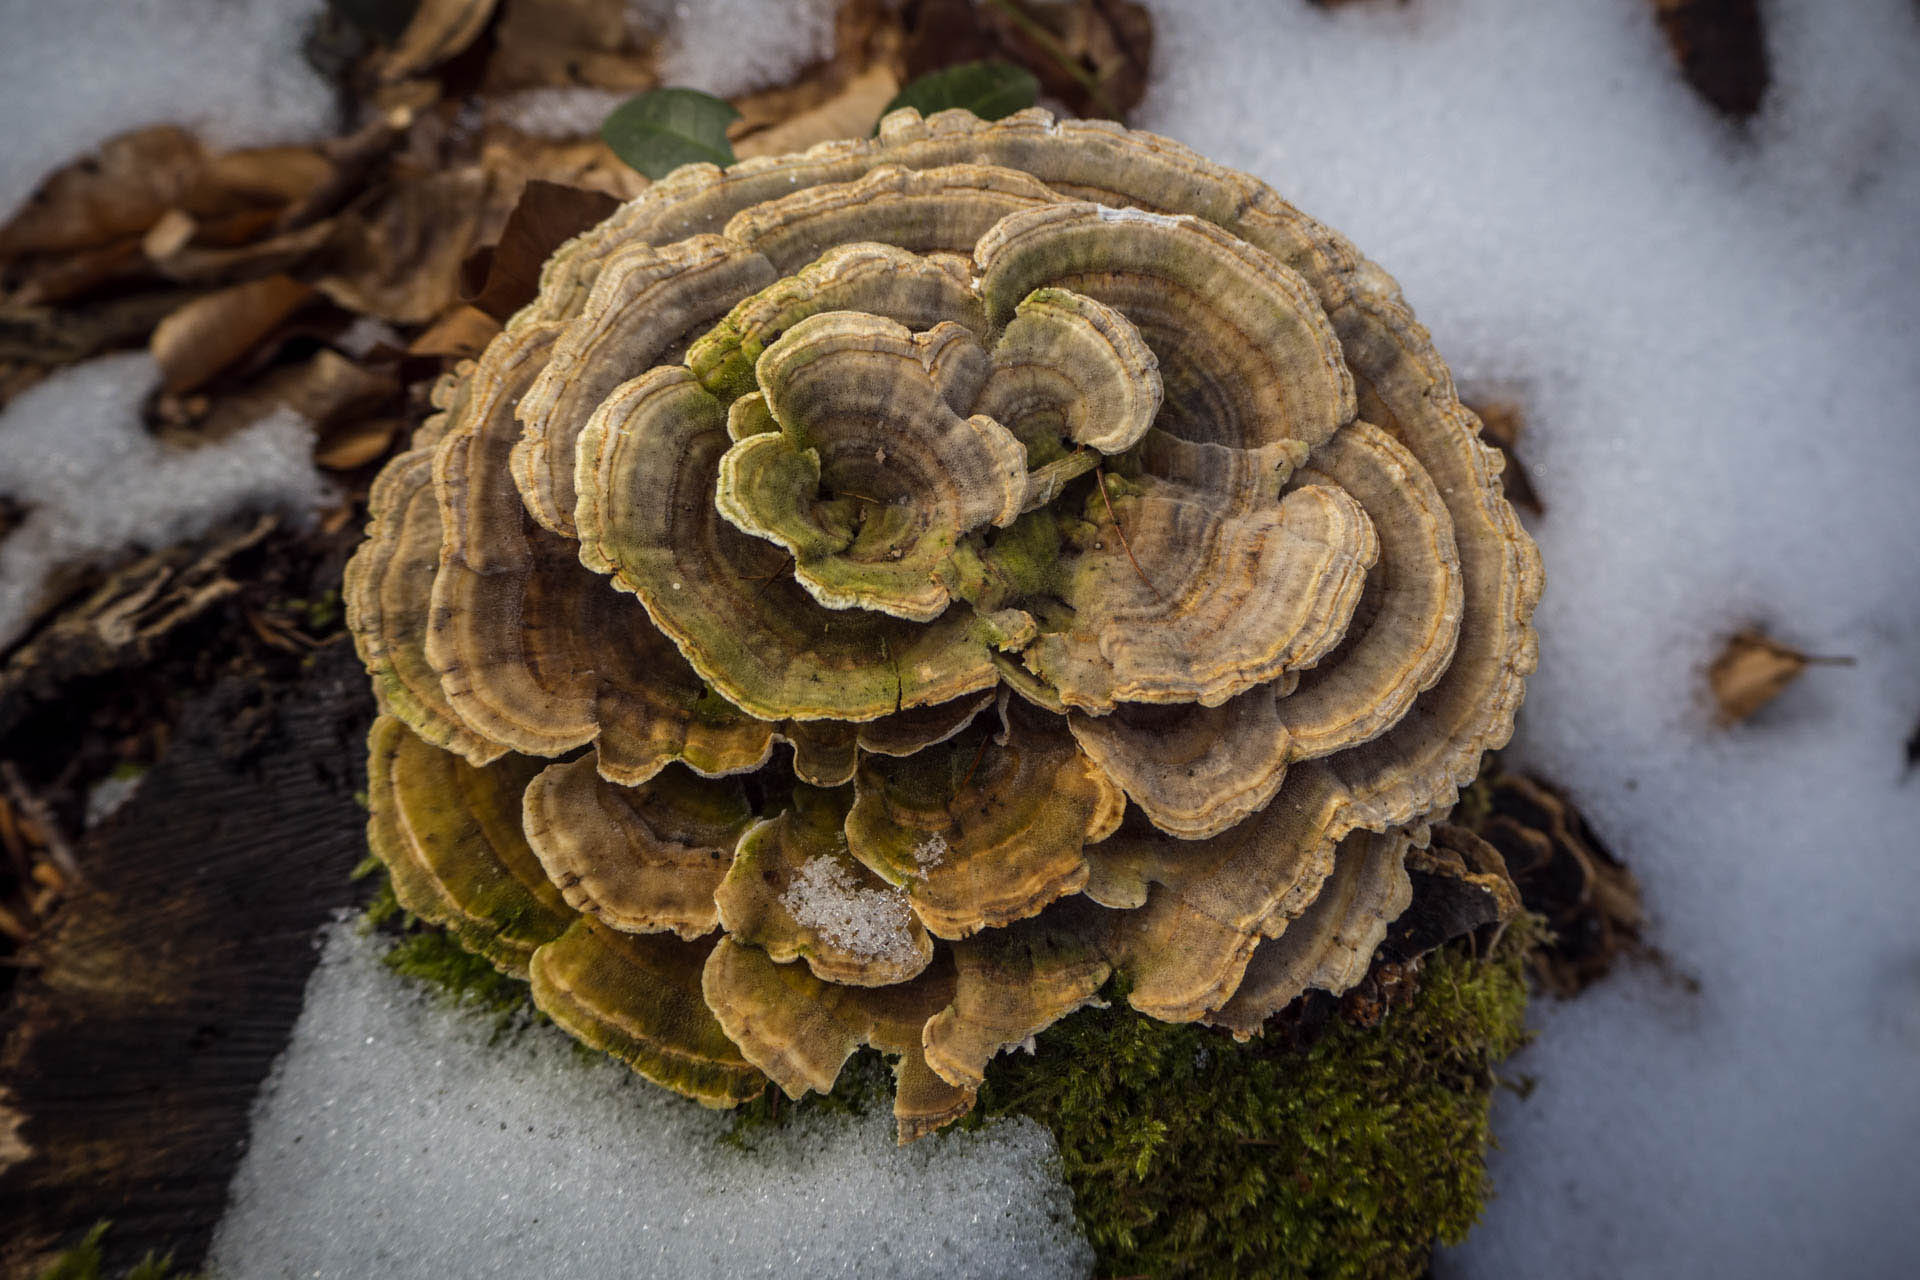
(988, 89)
(661, 130)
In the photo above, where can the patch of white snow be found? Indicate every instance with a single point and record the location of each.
(396, 1139)
(871, 923)
(729, 47)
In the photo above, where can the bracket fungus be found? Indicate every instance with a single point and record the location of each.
(874, 595)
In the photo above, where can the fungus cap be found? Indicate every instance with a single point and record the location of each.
(874, 595)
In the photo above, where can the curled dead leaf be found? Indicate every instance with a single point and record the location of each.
(211, 332)
(1753, 669)
(356, 444)
(546, 216)
(180, 248)
(547, 43)
(461, 333)
(400, 259)
(849, 113)
(118, 192)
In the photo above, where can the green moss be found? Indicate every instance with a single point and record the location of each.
(85, 1260)
(431, 955)
(865, 1082)
(1190, 1155)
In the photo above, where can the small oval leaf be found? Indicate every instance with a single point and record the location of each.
(658, 131)
(988, 89)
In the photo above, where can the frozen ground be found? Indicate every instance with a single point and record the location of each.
(400, 1142)
(1712, 331)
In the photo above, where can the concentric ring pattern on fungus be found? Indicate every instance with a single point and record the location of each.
(873, 595)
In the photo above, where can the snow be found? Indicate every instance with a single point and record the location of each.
(74, 452)
(81, 73)
(398, 1139)
(872, 923)
(1712, 333)
(729, 47)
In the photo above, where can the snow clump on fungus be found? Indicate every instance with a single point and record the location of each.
(873, 595)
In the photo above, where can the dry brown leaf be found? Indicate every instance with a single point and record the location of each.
(513, 157)
(356, 444)
(461, 333)
(400, 260)
(57, 278)
(865, 32)
(211, 332)
(1753, 669)
(117, 193)
(546, 216)
(440, 29)
(328, 390)
(331, 388)
(848, 114)
(1721, 47)
(192, 263)
(174, 232)
(548, 43)
(268, 175)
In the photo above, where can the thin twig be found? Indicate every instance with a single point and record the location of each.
(977, 757)
(785, 564)
(36, 811)
(1100, 479)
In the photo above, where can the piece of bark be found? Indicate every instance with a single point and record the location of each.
(215, 330)
(153, 1005)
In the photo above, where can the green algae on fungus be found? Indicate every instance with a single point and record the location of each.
(1056, 556)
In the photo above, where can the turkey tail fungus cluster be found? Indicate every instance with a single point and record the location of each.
(872, 596)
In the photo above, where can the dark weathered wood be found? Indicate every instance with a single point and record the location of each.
(154, 1004)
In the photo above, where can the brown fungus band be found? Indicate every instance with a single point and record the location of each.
(874, 595)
